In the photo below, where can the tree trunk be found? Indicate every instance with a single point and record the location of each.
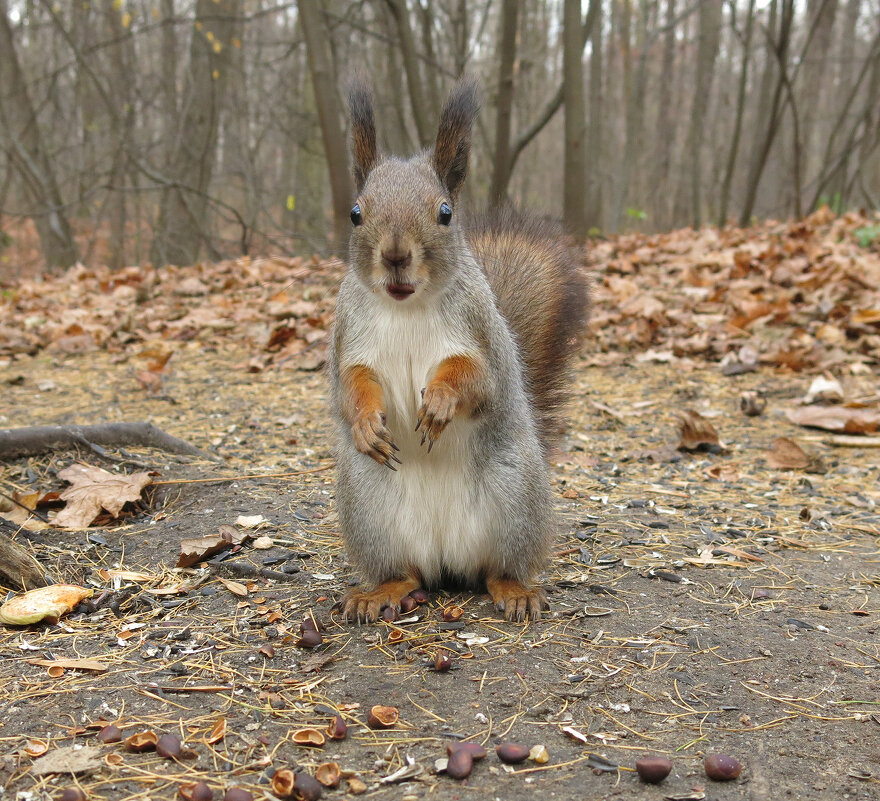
(575, 169)
(666, 121)
(769, 117)
(688, 201)
(28, 156)
(120, 57)
(507, 58)
(417, 96)
(182, 225)
(596, 130)
(323, 72)
(740, 109)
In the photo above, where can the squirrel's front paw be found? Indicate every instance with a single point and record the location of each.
(373, 439)
(366, 605)
(439, 404)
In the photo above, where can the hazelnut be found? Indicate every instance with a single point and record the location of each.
(460, 764)
(337, 729)
(168, 746)
(389, 615)
(307, 787)
(419, 596)
(237, 794)
(310, 638)
(512, 753)
(442, 662)
(72, 794)
(653, 769)
(407, 604)
(452, 613)
(201, 792)
(721, 767)
(475, 750)
(110, 734)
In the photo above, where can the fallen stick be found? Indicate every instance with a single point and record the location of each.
(19, 566)
(33, 440)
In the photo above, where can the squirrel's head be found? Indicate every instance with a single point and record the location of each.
(406, 237)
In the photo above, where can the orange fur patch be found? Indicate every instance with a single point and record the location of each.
(362, 392)
(465, 375)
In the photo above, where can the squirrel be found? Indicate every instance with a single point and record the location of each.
(448, 364)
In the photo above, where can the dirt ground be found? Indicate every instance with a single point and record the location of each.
(700, 602)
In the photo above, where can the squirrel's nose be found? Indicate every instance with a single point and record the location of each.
(396, 259)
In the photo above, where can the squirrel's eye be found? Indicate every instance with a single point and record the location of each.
(355, 215)
(445, 215)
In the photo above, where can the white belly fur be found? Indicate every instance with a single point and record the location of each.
(437, 514)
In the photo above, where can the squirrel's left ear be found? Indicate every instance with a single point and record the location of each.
(363, 131)
(453, 145)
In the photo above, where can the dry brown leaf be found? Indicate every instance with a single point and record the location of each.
(71, 664)
(218, 732)
(94, 489)
(786, 454)
(696, 431)
(198, 549)
(836, 418)
(233, 586)
(35, 605)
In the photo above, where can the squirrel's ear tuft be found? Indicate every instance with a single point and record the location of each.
(363, 130)
(454, 136)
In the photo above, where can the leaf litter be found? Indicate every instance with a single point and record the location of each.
(703, 659)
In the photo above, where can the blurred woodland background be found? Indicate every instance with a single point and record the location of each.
(169, 130)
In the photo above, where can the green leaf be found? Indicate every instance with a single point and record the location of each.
(291, 202)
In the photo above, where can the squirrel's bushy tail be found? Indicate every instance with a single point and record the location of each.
(543, 293)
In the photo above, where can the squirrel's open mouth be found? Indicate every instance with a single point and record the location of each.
(400, 291)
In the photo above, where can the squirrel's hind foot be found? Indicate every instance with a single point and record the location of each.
(365, 606)
(516, 600)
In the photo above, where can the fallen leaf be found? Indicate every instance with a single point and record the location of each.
(836, 418)
(34, 605)
(94, 489)
(696, 431)
(233, 586)
(71, 664)
(197, 550)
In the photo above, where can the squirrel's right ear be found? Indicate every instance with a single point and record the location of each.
(454, 135)
(363, 131)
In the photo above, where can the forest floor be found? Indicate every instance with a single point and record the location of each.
(722, 599)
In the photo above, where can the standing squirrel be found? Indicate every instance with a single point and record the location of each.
(448, 363)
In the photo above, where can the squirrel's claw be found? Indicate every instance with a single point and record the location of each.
(365, 606)
(371, 438)
(439, 403)
(515, 600)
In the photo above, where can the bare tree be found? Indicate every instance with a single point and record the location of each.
(182, 224)
(688, 198)
(575, 168)
(23, 142)
(324, 85)
(507, 56)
